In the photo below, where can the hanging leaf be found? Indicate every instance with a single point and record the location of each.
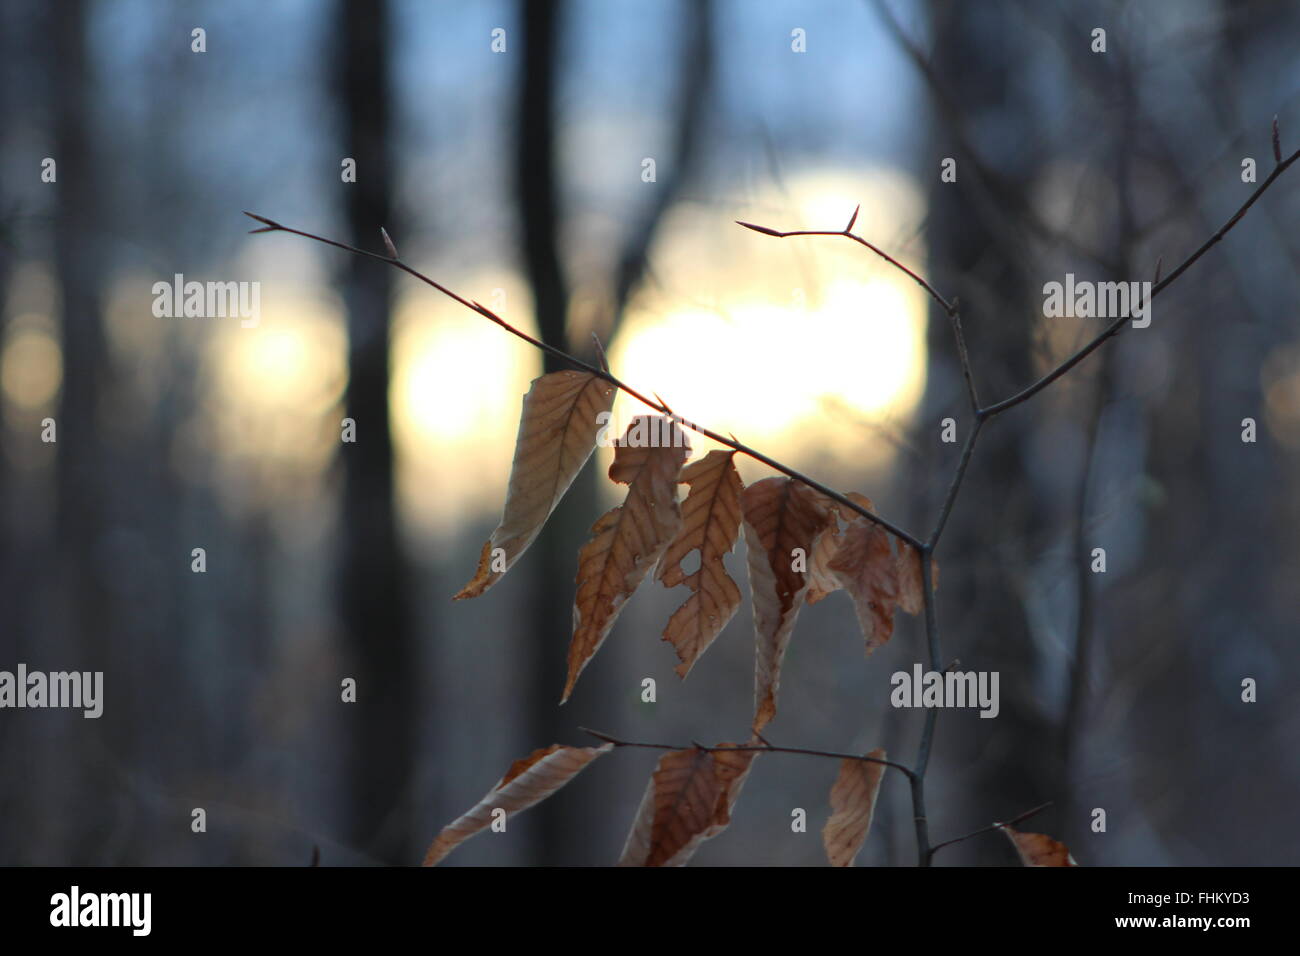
(822, 580)
(853, 802)
(783, 520)
(1035, 849)
(710, 524)
(862, 560)
(557, 432)
(528, 781)
(627, 541)
(688, 800)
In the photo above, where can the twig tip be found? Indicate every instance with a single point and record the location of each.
(600, 352)
(763, 229)
(270, 223)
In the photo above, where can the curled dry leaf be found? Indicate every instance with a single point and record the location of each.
(1035, 849)
(710, 524)
(627, 541)
(688, 800)
(782, 516)
(853, 802)
(822, 578)
(528, 781)
(557, 432)
(879, 572)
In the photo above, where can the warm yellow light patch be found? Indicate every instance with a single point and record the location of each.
(32, 367)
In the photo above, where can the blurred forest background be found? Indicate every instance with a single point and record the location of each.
(517, 178)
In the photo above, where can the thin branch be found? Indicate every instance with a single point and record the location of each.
(989, 829)
(955, 485)
(944, 304)
(963, 356)
(763, 747)
(270, 225)
(1118, 325)
(920, 819)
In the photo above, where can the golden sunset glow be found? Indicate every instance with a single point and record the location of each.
(775, 340)
(793, 326)
(275, 390)
(741, 333)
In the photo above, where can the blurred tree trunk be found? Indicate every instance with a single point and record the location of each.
(12, 743)
(562, 822)
(987, 543)
(694, 87)
(83, 481)
(550, 612)
(374, 573)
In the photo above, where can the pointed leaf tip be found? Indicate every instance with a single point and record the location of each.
(558, 428)
(527, 782)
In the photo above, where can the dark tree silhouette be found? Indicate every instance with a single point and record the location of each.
(374, 573)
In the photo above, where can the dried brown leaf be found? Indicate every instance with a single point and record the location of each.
(1035, 849)
(866, 566)
(879, 572)
(853, 801)
(627, 541)
(688, 800)
(557, 432)
(781, 515)
(711, 525)
(528, 781)
(821, 579)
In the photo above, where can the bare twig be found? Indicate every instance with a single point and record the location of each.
(270, 225)
(955, 485)
(1118, 325)
(944, 304)
(963, 356)
(991, 827)
(764, 747)
(919, 817)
